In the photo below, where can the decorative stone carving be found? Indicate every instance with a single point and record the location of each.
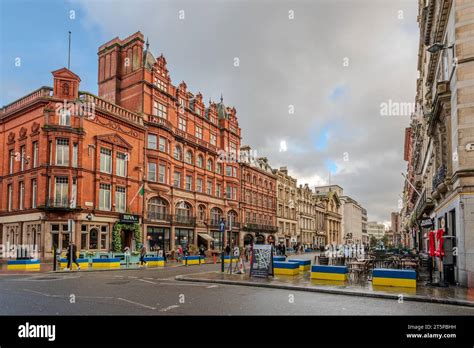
(35, 127)
(11, 137)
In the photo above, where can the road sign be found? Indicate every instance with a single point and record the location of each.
(222, 226)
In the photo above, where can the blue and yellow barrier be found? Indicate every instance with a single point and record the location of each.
(83, 263)
(329, 272)
(155, 261)
(305, 265)
(227, 259)
(286, 268)
(24, 265)
(193, 260)
(394, 277)
(106, 263)
(279, 258)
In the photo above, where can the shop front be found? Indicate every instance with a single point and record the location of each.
(183, 236)
(158, 238)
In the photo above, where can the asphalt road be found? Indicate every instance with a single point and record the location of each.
(156, 292)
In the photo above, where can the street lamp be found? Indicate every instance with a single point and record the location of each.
(437, 46)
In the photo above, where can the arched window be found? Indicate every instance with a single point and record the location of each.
(202, 213)
(189, 157)
(157, 208)
(260, 182)
(93, 238)
(216, 215)
(183, 212)
(255, 180)
(177, 154)
(200, 161)
(231, 218)
(248, 177)
(218, 168)
(209, 164)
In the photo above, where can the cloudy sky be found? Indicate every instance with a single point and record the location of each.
(335, 63)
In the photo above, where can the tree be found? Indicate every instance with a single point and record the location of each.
(385, 241)
(372, 242)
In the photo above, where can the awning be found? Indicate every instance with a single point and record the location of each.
(206, 237)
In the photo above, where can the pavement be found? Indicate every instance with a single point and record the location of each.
(203, 290)
(157, 292)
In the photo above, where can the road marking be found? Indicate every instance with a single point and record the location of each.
(169, 308)
(133, 277)
(147, 278)
(147, 281)
(212, 286)
(37, 292)
(136, 303)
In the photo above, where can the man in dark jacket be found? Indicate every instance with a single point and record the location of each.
(283, 250)
(227, 249)
(72, 249)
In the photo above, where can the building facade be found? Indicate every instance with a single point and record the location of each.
(365, 235)
(329, 198)
(439, 146)
(351, 221)
(191, 172)
(258, 200)
(376, 230)
(68, 155)
(286, 208)
(306, 214)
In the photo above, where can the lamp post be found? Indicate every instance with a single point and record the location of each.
(222, 231)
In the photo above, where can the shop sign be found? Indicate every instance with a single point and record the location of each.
(128, 218)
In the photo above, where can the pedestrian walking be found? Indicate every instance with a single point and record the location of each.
(142, 255)
(283, 250)
(202, 251)
(227, 249)
(179, 253)
(72, 251)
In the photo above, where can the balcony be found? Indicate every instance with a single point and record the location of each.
(255, 225)
(58, 204)
(161, 122)
(184, 220)
(438, 181)
(159, 216)
(215, 224)
(424, 204)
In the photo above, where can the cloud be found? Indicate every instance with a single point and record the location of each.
(335, 62)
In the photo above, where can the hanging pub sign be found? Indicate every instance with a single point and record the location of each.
(262, 261)
(128, 218)
(427, 223)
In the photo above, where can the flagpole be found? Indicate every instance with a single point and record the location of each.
(136, 194)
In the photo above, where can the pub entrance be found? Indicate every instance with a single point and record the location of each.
(126, 235)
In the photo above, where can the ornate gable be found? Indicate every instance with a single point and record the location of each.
(114, 139)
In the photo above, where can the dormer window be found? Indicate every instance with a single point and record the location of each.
(161, 85)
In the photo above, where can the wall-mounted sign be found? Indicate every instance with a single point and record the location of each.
(427, 223)
(129, 218)
(88, 204)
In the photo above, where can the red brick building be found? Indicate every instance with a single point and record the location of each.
(67, 155)
(143, 147)
(188, 190)
(258, 200)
